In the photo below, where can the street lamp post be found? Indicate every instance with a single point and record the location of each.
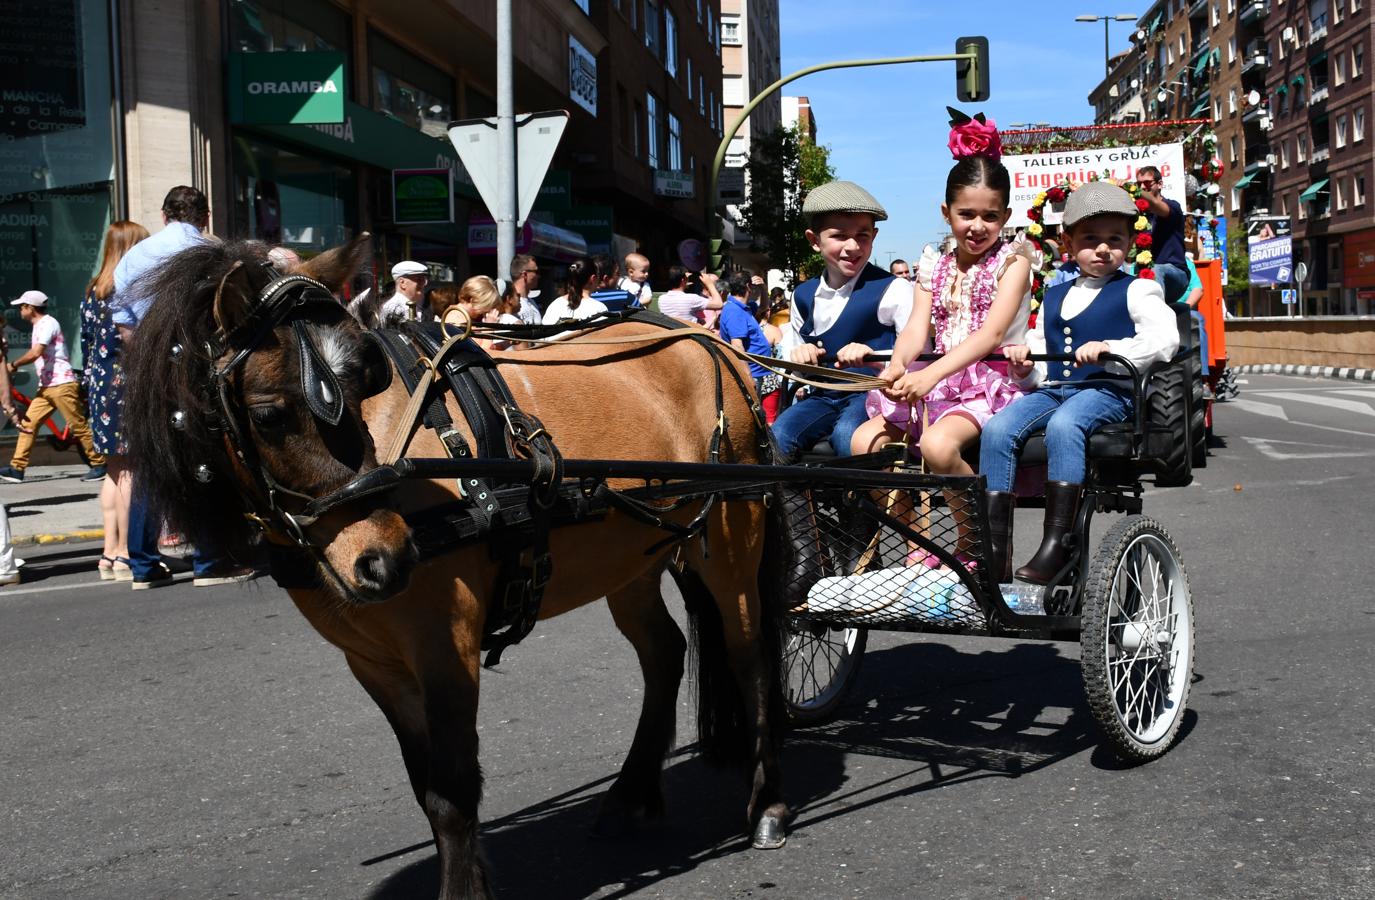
(714, 225)
(1107, 56)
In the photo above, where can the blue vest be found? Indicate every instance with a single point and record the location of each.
(1105, 319)
(858, 322)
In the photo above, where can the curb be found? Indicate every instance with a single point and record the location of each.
(1341, 372)
(71, 537)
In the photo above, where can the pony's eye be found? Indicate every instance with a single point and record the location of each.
(268, 417)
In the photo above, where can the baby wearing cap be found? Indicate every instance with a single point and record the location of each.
(854, 308)
(1103, 310)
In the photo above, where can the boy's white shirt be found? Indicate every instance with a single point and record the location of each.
(894, 308)
(1157, 331)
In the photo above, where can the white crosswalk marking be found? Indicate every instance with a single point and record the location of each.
(1351, 406)
(1357, 392)
(1272, 410)
(1266, 447)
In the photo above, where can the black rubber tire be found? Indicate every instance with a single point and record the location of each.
(820, 664)
(1111, 634)
(1168, 408)
(1198, 431)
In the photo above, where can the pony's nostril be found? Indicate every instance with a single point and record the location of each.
(372, 571)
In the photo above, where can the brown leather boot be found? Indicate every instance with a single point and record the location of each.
(1000, 507)
(1062, 506)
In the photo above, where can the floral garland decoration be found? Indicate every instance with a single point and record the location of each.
(1139, 253)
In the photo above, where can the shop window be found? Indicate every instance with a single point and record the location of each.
(284, 198)
(269, 26)
(408, 88)
(675, 144)
(652, 130)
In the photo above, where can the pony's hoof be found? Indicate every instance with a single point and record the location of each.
(769, 834)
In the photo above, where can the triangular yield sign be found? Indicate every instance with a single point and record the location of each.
(537, 137)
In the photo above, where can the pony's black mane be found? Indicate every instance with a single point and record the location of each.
(161, 382)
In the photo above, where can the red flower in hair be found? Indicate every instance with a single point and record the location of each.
(1142, 205)
(974, 137)
(1143, 239)
(1146, 273)
(1055, 195)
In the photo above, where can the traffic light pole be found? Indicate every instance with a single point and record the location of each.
(971, 85)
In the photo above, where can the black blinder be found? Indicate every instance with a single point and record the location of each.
(377, 371)
(319, 384)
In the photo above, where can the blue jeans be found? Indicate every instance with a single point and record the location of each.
(145, 527)
(800, 426)
(1202, 338)
(1174, 279)
(1069, 415)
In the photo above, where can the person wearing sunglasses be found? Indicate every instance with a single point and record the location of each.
(1167, 235)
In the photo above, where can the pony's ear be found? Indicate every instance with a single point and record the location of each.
(334, 268)
(231, 298)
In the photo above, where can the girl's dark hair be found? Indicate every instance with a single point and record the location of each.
(977, 171)
(580, 272)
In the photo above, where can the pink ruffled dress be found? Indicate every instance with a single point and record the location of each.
(983, 388)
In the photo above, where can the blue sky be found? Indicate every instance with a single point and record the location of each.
(887, 125)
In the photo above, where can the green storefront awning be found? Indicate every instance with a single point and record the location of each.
(1297, 80)
(1320, 58)
(1155, 23)
(1201, 107)
(1312, 191)
(1282, 89)
(1245, 180)
(1202, 65)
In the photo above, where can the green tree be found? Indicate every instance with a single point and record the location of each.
(784, 165)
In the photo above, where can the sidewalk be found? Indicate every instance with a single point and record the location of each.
(53, 505)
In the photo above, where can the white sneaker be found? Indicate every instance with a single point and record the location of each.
(10, 577)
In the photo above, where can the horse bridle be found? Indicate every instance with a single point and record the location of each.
(277, 303)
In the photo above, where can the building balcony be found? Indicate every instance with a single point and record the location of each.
(1253, 11)
(1198, 8)
(1320, 154)
(1255, 59)
(1319, 94)
(1259, 159)
(1318, 30)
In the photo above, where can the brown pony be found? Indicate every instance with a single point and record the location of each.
(411, 632)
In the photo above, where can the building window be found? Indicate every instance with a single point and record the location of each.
(1217, 15)
(1358, 191)
(1301, 148)
(1357, 61)
(733, 90)
(671, 42)
(702, 94)
(699, 12)
(689, 77)
(1340, 191)
(1358, 126)
(1231, 49)
(1341, 132)
(1231, 6)
(638, 125)
(623, 118)
(652, 39)
(1339, 70)
(730, 30)
(675, 144)
(409, 89)
(1217, 110)
(1233, 146)
(713, 36)
(582, 5)
(1232, 102)
(652, 130)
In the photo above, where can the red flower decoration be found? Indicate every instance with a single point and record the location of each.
(1055, 195)
(1034, 214)
(1142, 205)
(1143, 239)
(1146, 273)
(976, 138)
(1213, 222)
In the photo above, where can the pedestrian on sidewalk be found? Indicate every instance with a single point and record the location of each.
(9, 566)
(57, 389)
(104, 376)
(185, 215)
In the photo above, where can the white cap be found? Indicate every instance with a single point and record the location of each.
(32, 298)
(408, 267)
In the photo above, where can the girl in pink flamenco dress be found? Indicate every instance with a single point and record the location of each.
(977, 302)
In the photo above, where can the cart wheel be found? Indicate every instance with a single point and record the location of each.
(819, 665)
(1137, 642)
(1169, 407)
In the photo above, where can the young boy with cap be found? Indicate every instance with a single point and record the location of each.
(1103, 310)
(853, 309)
(57, 389)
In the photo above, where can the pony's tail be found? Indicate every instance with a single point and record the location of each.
(724, 730)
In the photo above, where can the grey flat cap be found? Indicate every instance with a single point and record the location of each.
(1098, 198)
(842, 197)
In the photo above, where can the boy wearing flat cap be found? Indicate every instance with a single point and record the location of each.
(1103, 310)
(853, 309)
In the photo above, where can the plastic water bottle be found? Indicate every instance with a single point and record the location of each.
(1024, 599)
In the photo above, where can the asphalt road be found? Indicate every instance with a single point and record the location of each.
(204, 742)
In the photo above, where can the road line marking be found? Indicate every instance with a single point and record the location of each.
(1272, 410)
(1263, 447)
(176, 579)
(1358, 392)
(1351, 406)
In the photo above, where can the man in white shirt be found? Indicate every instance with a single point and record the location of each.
(57, 389)
(525, 280)
(408, 301)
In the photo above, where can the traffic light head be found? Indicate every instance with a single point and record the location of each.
(971, 75)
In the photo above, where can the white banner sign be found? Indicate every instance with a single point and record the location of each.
(1037, 172)
(582, 76)
(673, 184)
